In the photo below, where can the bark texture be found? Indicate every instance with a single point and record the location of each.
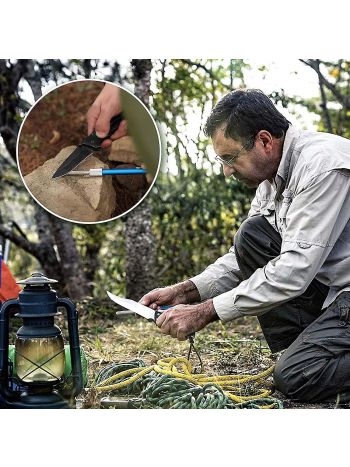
(140, 242)
(71, 264)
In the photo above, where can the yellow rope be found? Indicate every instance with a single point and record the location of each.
(103, 386)
(182, 368)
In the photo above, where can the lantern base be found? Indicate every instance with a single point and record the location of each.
(37, 401)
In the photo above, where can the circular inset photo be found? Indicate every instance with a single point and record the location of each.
(88, 151)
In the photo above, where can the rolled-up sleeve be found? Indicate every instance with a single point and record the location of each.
(314, 221)
(219, 277)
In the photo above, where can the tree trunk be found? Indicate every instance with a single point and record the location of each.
(71, 264)
(51, 265)
(92, 262)
(140, 241)
(9, 126)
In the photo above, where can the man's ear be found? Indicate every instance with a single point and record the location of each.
(265, 138)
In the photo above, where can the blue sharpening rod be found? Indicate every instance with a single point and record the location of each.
(102, 172)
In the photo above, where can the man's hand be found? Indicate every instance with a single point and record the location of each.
(184, 292)
(106, 105)
(184, 320)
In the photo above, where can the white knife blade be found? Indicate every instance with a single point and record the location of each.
(141, 310)
(136, 307)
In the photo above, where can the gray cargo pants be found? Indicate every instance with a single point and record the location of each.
(316, 364)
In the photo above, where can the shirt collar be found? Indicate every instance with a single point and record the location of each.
(283, 170)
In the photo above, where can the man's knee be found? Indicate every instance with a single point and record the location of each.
(290, 379)
(256, 243)
(247, 230)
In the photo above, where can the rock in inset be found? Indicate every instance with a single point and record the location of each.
(77, 198)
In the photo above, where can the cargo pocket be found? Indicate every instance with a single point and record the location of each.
(332, 329)
(343, 316)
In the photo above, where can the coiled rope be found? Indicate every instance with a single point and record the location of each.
(170, 383)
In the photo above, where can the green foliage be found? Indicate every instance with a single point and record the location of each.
(196, 211)
(102, 248)
(194, 223)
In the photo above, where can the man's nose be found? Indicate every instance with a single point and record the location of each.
(228, 171)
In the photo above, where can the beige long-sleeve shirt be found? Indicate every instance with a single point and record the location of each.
(308, 203)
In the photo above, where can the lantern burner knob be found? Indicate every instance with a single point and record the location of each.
(37, 279)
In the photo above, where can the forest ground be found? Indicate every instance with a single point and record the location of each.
(233, 348)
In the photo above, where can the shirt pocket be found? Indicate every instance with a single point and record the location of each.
(267, 206)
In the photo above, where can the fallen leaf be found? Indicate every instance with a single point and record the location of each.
(56, 135)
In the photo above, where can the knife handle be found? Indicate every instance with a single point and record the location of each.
(95, 142)
(190, 337)
(156, 315)
(114, 124)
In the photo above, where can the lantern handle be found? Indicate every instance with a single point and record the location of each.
(72, 316)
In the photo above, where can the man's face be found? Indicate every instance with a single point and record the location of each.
(250, 166)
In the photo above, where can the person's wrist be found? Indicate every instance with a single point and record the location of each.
(209, 310)
(188, 291)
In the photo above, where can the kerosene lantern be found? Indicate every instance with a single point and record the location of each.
(35, 378)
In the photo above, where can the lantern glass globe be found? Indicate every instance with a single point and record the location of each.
(39, 359)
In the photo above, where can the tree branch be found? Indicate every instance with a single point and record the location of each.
(30, 247)
(315, 65)
(206, 69)
(32, 77)
(326, 115)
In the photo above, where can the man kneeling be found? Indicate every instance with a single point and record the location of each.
(290, 262)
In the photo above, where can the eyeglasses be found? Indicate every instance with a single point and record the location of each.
(231, 161)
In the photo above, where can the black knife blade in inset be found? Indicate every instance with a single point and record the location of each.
(88, 146)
